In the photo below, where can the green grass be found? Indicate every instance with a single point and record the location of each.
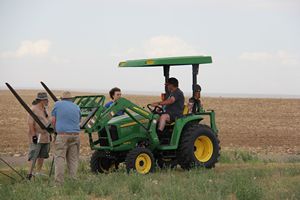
(239, 157)
(240, 175)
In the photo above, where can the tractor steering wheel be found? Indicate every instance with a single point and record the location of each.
(155, 110)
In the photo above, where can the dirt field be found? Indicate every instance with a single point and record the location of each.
(260, 125)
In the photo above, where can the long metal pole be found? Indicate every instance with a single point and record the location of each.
(7, 176)
(49, 92)
(31, 113)
(12, 168)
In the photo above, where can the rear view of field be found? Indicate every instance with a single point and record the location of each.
(259, 125)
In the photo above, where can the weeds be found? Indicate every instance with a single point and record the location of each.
(229, 180)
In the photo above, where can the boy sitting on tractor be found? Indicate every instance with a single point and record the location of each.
(173, 105)
(195, 104)
(115, 94)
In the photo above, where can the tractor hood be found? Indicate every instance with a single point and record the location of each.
(125, 121)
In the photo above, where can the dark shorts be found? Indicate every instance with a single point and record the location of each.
(40, 150)
(173, 117)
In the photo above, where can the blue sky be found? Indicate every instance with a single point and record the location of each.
(255, 44)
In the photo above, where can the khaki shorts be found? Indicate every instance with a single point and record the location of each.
(40, 150)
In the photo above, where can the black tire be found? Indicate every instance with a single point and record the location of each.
(208, 151)
(166, 163)
(101, 164)
(140, 160)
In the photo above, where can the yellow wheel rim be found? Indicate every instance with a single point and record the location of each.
(143, 163)
(203, 148)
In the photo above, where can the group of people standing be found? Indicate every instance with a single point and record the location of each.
(65, 118)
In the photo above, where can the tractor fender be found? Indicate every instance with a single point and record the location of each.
(180, 125)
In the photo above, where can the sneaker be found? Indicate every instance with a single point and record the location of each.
(40, 174)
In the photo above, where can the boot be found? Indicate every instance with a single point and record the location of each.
(29, 176)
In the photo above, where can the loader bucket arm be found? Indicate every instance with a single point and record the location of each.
(101, 119)
(47, 127)
(49, 91)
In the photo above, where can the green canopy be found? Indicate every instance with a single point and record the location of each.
(155, 62)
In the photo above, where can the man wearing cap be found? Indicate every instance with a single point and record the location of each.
(39, 139)
(66, 121)
(173, 105)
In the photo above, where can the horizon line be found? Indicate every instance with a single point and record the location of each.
(154, 93)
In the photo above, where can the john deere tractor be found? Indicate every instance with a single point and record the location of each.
(132, 138)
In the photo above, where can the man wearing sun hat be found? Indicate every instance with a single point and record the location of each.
(39, 138)
(66, 121)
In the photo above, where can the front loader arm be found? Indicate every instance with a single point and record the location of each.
(101, 119)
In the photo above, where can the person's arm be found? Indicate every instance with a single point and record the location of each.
(79, 114)
(168, 101)
(53, 118)
(108, 104)
(32, 131)
(53, 121)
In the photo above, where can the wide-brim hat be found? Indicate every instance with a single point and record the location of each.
(41, 96)
(66, 95)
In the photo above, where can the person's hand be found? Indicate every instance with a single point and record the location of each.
(34, 139)
(154, 104)
(54, 137)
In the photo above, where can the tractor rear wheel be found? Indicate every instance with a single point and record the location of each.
(199, 146)
(140, 160)
(101, 164)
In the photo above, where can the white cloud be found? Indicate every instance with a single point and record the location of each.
(28, 48)
(159, 46)
(282, 57)
(167, 46)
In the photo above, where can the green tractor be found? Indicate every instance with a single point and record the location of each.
(132, 138)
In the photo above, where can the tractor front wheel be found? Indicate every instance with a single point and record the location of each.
(140, 160)
(101, 164)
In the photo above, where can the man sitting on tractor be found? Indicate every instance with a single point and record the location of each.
(173, 105)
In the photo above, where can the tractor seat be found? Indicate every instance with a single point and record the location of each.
(185, 112)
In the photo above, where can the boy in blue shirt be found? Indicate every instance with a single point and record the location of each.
(115, 94)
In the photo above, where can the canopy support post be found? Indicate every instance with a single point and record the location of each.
(195, 73)
(167, 76)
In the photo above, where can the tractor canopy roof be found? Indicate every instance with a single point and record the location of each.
(169, 61)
